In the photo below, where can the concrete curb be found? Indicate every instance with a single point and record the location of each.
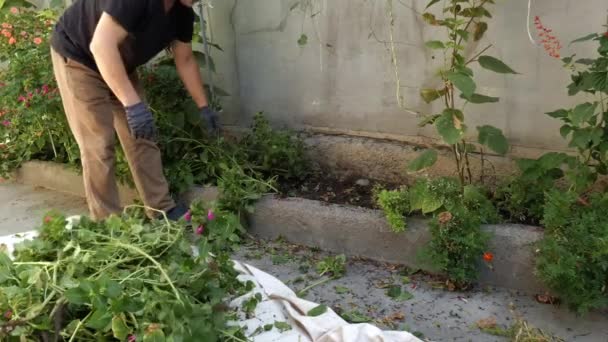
(350, 230)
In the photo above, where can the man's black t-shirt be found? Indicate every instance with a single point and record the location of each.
(151, 29)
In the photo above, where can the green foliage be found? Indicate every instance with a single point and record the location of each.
(459, 18)
(573, 256)
(334, 266)
(586, 124)
(121, 277)
(32, 123)
(275, 152)
(523, 197)
(395, 204)
(457, 244)
(398, 294)
(425, 160)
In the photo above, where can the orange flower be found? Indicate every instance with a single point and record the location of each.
(7, 26)
(488, 257)
(37, 40)
(12, 41)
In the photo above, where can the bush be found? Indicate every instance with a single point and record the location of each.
(275, 152)
(457, 244)
(395, 204)
(573, 255)
(522, 198)
(31, 113)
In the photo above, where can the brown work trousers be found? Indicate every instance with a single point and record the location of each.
(95, 118)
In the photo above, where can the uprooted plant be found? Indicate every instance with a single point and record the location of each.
(124, 278)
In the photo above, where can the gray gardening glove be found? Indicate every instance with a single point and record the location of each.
(141, 122)
(211, 119)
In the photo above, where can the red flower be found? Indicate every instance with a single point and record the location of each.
(488, 257)
(37, 40)
(551, 44)
(48, 219)
(8, 315)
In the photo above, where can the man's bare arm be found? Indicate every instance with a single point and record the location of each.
(189, 72)
(105, 49)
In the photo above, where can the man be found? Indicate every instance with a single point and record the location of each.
(96, 47)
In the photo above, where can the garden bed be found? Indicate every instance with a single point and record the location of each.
(347, 229)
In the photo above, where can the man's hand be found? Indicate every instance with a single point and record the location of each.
(141, 122)
(209, 116)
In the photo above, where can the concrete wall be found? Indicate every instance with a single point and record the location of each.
(343, 80)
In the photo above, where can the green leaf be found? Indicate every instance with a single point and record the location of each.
(585, 38)
(493, 138)
(558, 114)
(582, 113)
(431, 204)
(580, 138)
(425, 160)
(396, 293)
(76, 296)
(318, 311)
(463, 82)
(282, 326)
(479, 99)
(355, 317)
(430, 95)
(155, 336)
(99, 320)
(496, 65)
(431, 4)
(303, 40)
(435, 45)
(342, 289)
(429, 18)
(565, 130)
(119, 328)
(447, 126)
(464, 34)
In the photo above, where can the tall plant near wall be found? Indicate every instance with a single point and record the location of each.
(465, 23)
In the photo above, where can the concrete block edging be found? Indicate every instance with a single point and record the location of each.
(343, 229)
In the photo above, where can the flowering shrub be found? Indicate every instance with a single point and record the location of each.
(33, 123)
(551, 44)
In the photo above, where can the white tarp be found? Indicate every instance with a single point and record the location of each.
(280, 304)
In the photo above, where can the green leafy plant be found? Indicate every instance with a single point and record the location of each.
(431, 196)
(522, 197)
(32, 123)
(573, 255)
(123, 278)
(334, 266)
(395, 204)
(465, 22)
(276, 153)
(586, 124)
(457, 244)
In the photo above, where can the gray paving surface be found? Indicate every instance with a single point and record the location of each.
(437, 314)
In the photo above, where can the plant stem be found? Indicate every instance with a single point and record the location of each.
(321, 282)
(479, 54)
(158, 265)
(78, 326)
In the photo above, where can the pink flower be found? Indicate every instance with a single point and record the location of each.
(21, 98)
(7, 26)
(131, 338)
(210, 215)
(45, 89)
(200, 230)
(6, 123)
(37, 40)
(14, 10)
(188, 216)
(8, 315)
(12, 41)
(48, 219)
(23, 33)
